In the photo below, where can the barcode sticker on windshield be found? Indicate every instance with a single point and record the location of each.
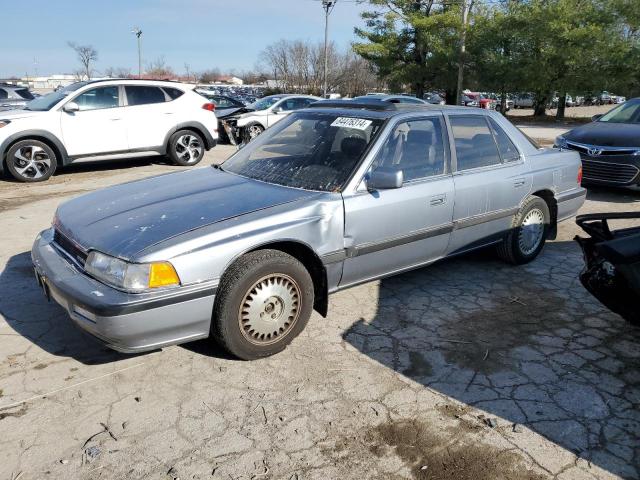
(346, 122)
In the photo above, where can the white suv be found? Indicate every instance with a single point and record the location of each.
(104, 120)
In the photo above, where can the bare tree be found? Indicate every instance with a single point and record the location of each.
(209, 76)
(86, 54)
(159, 68)
(117, 72)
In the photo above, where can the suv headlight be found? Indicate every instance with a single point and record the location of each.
(561, 142)
(135, 277)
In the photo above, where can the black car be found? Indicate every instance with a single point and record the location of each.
(225, 107)
(609, 146)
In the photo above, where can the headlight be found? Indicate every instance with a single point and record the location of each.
(561, 142)
(4, 123)
(134, 277)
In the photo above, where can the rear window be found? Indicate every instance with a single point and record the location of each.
(143, 95)
(24, 93)
(172, 92)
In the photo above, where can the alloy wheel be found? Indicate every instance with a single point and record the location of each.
(188, 148)
(31, 161)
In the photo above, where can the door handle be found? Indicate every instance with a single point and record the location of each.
(115, 119)
(438, 200)
(520, 182)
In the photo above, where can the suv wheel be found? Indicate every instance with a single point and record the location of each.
(186, 148)
(528, 232)
(264, 302)
(31, 161)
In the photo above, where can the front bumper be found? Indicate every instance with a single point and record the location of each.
(123, 321)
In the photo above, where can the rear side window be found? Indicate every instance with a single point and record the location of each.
(24, 93)
(475, 146)
(3, 94)
(508, 150)
(172, 92)
(143, 95)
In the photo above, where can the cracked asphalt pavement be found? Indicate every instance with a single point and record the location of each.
(467, 369)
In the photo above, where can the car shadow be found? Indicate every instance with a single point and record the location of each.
(526, 344)
(26, 309)
(612, 195)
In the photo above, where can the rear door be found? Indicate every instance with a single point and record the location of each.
(98, 127)
(491, 180)
(391, 230)
(150, 115)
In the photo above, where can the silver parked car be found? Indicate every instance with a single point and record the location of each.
(332, 196)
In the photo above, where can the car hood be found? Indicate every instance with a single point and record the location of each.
(125, 219)
(228, 112)
(16, 114)
(606, 134)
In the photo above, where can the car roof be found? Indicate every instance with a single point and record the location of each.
(375, 108)
(158, 83)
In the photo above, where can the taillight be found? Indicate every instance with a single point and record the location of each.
(580, 175)
(209, 106)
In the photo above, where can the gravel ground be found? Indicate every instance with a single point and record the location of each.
(468, 369)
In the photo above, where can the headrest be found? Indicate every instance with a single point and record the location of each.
(353, 146)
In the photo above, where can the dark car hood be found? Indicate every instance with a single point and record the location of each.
(607, 134)
(228, 112)
(125, 219)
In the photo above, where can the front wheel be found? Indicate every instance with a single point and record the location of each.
(31, 161)
(252, 131)
(186, 148)
(528, 232)
(264, 301)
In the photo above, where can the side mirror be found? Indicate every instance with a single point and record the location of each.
(277, 110)
(71, 107)
(597, 117)
(385, 179)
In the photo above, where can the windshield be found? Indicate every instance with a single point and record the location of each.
(264, 103)
(626, 113)
(310, 150)
(46, 102)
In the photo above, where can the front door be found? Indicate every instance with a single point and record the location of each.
(98, 127)
(491, 180)
(391, 230)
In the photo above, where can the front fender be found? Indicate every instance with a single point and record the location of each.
(34, 133)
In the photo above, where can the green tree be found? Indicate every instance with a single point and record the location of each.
(412, 42)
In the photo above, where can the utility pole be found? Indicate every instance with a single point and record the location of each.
(138, 33)
(466, 6)
(328, 8)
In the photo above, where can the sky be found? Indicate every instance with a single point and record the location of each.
(227, 34)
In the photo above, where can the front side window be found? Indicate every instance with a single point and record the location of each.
(143, 95)
(508, 150)
(308, 150)
(98, 98)
(416, 147)
(475, 147)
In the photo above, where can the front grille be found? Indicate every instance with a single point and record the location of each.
(601, 151)
(69, 247)
(608, 171)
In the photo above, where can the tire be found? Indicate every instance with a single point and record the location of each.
(252, 131)
(31, 161)
(186, 148)
(261, 284)
(528, 232)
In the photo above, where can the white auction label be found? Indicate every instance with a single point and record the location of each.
(346, 122)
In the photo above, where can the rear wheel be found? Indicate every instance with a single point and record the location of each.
(186, 148)
(528, 233)
(31, 161)
(264, 301)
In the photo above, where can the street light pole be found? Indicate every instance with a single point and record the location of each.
(138, 33)
(328, 8)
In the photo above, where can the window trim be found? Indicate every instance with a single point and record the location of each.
(455, 153)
